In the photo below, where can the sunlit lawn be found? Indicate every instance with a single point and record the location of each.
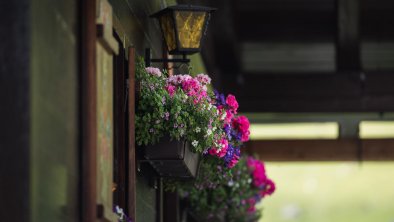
(330, 192)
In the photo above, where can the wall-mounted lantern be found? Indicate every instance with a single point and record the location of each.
(183, 28)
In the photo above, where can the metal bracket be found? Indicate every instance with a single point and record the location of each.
(149, 60)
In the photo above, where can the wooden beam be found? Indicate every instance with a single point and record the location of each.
(318, 92)
(348, 37)
(287, 25)
(88, 103)
(323, 150)
(292, 85)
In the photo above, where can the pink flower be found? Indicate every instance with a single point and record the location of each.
(153, 71)
(229, 117)
(233, 162)
(251, 201)
(212, 151)
(191, 87)
(221, 150)
(203, 79)
(224, 145)
(258, 172)
(245, 136)
(232, 103)
(269, 188)
(173, 80)
(170, 89)
(242, 124)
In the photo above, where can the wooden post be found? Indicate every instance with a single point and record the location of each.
(132, 162)
(348, 36)
(88, 103)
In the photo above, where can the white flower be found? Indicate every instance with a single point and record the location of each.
(195, 143)
(209, 107)
(209, 132)
(198, 130)
(214, 128)
(120, 212)
(230, 183)
(181, 132)
(223, 116)
(153, 71)
(249, 180)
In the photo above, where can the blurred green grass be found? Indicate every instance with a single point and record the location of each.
(328, 192)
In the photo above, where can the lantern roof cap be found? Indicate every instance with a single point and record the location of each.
(183, 8)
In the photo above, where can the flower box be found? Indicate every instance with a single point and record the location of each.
(172, 159)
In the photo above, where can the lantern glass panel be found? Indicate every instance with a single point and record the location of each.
(190, 27)
(167, 26)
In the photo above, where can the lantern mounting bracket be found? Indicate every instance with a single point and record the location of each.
(149, 60)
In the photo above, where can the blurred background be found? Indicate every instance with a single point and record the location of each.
(342, 191)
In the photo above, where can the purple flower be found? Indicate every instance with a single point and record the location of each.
(167, 115)
(151, 130)
(237, 151)
(229, 155)
(220, 99)
(227, 129)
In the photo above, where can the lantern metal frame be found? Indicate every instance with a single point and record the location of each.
(178, 50)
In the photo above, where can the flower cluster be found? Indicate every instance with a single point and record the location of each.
(261, 183)
(182, 107)
(179, 106)
(219, 194)
(236, 129)
(195, 87)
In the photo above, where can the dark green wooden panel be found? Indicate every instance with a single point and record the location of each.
(54, 110)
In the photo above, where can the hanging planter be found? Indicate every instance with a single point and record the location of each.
(179, 120)
(172, 158)
(175, 123)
